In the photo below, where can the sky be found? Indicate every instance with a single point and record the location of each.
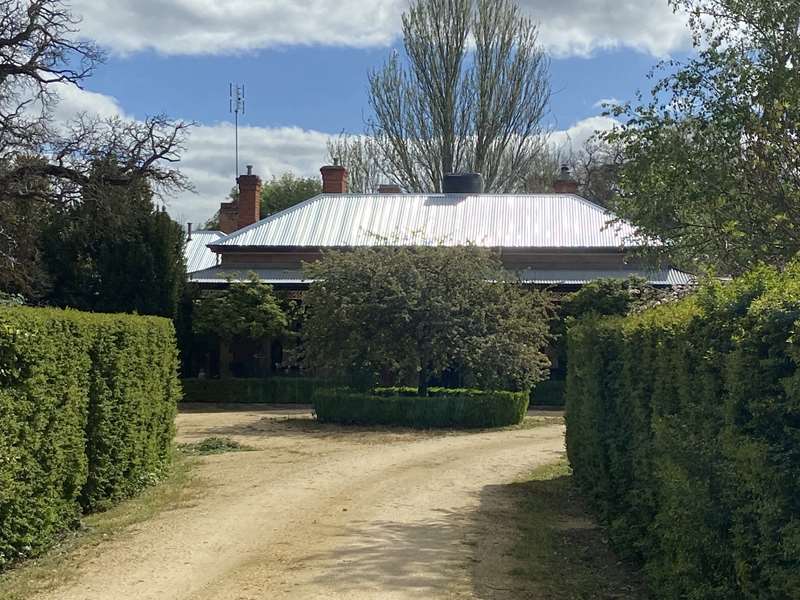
(304, 64)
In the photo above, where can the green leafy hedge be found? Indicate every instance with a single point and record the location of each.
(549, 393)
(87, 404)
(272, 390)
(401, 406)
(683, 426)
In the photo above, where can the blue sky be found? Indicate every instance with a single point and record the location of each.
(305, 64)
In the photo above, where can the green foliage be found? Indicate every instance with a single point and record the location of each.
(415, 314)
(710, 160)
(607, 297)
(548, 393)
(87, 403)
(272, 390)
(283, 192)
(114, 252)
(683, 427)
(245, 309)
(401, 406)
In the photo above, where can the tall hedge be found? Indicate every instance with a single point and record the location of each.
(87, 404)
(683, 427)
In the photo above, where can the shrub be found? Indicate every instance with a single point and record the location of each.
(87, 404)
(683, 427)
(401, 406)
(548, 393)
(272, 390)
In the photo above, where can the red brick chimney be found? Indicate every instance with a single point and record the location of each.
(249, 198)
(565, 183)
(334, 178)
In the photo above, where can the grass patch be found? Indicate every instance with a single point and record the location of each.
(559, 552)
(213, 445)
(59, 566)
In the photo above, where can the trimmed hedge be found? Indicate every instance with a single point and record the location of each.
(272, 390)
(683, 427)
(401, 406)
(549, 393)
(87, 404)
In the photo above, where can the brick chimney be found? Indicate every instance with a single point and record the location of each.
(249, 198)
(334, 178)
(246, 210)
(565, 183)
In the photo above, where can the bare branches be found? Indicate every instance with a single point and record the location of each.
(457, 107)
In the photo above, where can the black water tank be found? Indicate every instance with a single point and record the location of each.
(462, 183)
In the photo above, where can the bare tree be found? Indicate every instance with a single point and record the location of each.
(470, 95)
(362, 156)
(38, 49)
(43, 161)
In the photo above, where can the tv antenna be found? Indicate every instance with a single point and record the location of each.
(236, 106)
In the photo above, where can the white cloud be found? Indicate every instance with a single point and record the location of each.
(209, 162)
(580, 27)
(224, 26)
(209, 158)
(575, 136)
(568, 27)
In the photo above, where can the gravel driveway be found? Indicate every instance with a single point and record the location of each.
(325, 512)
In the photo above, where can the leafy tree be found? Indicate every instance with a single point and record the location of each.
(283, 192)
(402, 313)
(114, 251)
(247, 309)
(47, 166)
(469, 96)
(712, 161)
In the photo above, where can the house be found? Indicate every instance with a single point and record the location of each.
(557, 240)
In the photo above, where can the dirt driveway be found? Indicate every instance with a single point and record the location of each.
(324, 512)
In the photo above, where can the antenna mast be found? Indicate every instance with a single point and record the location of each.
(236, 105)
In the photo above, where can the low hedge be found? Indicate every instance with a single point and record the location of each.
(87, 404)
(683, 428)
(401, 406)
(271, 390)
(549, 393)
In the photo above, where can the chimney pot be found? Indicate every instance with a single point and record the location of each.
(249, 169)
(188, 232)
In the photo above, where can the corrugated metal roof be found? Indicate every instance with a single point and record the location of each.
(659, 277)
(276, 276)
(496, 221)
(198, 255)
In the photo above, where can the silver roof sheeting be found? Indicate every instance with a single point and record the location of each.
(659, 277)
(662, 277)
(276, 276)
(198, 255)
(489, 220)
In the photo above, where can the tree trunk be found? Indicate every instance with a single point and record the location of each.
(422, 385)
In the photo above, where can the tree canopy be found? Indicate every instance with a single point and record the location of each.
(468, 94)
(246, 309)
(711, 161)
(418, 314)
(48, 167)
(280, 193)
(114, 251)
